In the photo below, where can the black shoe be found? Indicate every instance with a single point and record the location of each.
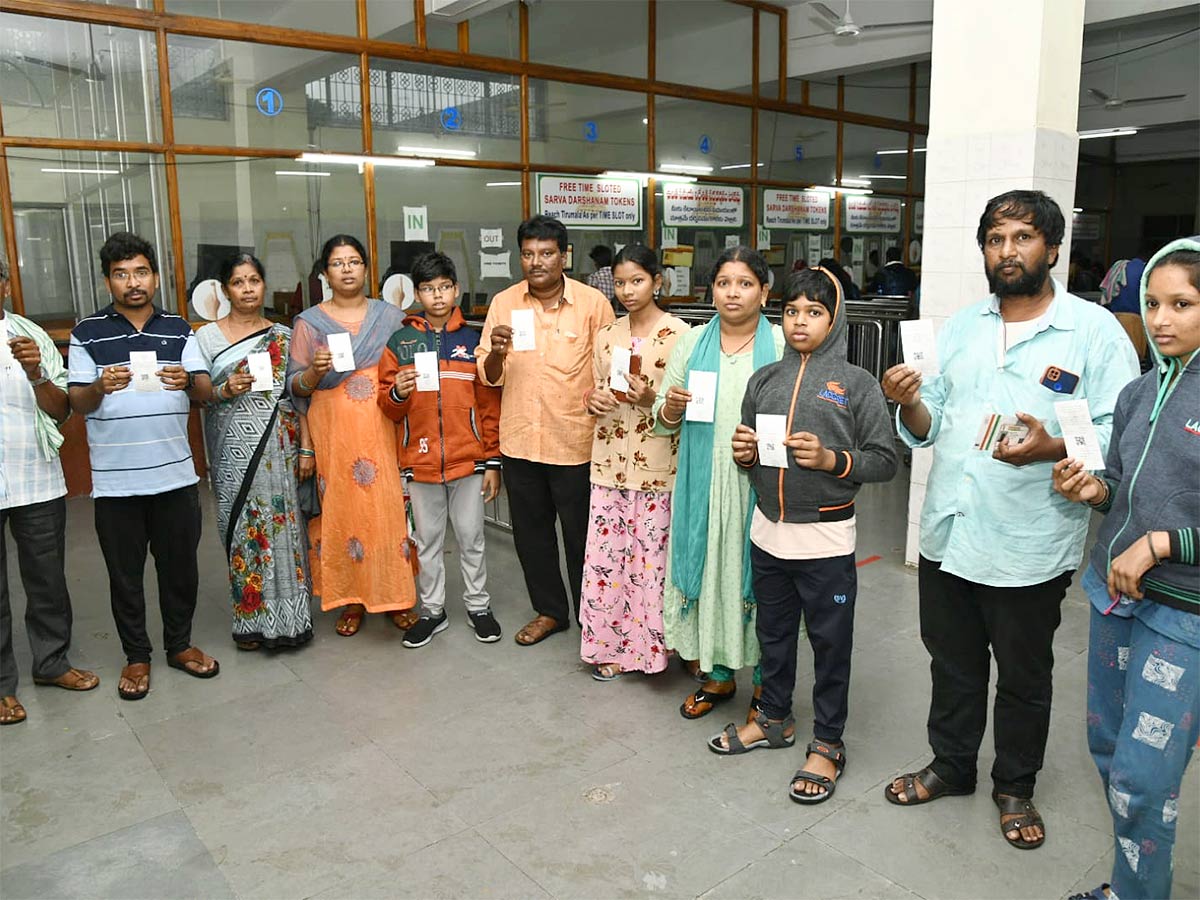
(487, 629)
(422, 633)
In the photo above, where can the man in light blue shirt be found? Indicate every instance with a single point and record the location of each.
(33, 402)
(998, 545)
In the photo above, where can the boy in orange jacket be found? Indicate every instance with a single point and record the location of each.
(450, 449)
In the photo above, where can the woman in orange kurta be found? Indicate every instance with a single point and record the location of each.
(359, 549)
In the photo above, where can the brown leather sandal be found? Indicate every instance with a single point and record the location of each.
(350, 620)
(538, 630)
(72, 680)
(190, 660)
(134, 672)
(11, 711)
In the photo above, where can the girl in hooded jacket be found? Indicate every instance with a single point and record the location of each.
(814, 429)
(1143, 715)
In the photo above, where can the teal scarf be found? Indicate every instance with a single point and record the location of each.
(693, 483)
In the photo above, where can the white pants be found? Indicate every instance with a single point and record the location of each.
(461, 503)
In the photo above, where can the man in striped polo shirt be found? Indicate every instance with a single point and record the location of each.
(134, 371)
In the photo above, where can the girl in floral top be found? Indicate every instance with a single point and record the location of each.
(633, 471)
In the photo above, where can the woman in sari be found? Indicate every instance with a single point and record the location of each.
(360, 553)
(253, 439)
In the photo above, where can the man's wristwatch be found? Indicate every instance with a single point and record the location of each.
(191, 381)
(40, 379)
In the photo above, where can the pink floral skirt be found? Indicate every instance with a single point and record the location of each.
(624, 568)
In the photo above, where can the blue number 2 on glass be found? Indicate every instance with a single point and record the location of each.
(451, 119)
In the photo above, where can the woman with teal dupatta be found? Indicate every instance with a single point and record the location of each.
(708, 610)
(253, 439)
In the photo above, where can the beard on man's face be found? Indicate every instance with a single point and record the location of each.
(1012, 279)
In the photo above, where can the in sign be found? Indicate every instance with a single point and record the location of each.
(269, 101)
(451, 118)
(705, 143)
(590, 132)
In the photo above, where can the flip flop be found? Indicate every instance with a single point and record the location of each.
(193, 655)
(72, 680)
(712, 698)
(13, 706)
(599, 673)
(348, 623)
(133, 672)
(536, 631)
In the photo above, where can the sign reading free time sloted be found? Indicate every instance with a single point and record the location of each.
(580, 201)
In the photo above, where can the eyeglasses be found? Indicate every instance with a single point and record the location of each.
(435, 290)
(122, 275)
(346, 264)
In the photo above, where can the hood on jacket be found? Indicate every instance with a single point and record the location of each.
(837, 340)
(455, 322)
(1166, 366)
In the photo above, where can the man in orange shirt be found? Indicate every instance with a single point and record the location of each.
(537, 344)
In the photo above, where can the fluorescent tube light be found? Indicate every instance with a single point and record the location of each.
(902, 150)
(1077, 209)
(830, 189)
(503, 184)
(889, 177)
(302, 174)
(856, 182)
(742, 166)
(643, 177)
(686, 169)
(435, 151)
(58, 171)
(1106, 133)
(351, 159)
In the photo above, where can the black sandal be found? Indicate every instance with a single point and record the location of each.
(702, 696)
(773, 737)
(835, 755)
(929, 780)
(1027, 817)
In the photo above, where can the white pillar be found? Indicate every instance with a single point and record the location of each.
(1003, 112)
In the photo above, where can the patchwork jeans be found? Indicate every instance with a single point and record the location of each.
(1143, 715)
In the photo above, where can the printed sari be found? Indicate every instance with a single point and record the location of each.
(268, 567)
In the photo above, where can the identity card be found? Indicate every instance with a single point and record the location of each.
(618, 376)
(920, 346)
(703, 388)
(771, 431)
(995, 427)
(1079, 433)
(260, 368)
(342, 347)
(523, 327)
(143, 364)
(428, 378)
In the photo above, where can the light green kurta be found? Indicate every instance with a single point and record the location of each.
(715, 629)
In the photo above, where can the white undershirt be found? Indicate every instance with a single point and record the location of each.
(803, 540)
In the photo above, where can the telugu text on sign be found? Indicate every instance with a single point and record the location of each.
(873, 214)
(706, 205)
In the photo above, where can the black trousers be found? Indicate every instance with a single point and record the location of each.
(960, 620)
(39, 530)
(169, 525)
(538, 493)
(824, 591)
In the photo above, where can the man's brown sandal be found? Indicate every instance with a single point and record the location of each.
(72, 680)
(704, 701)
(1023, 815)
(350, 621)
(134, 672)
(928, 779)
(538, 630)
(406, 618)
(11, 711)
(189, 661)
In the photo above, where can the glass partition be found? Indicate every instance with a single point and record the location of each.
(471, 215)
(249, 95)
(578, 125)
(705, 44)
(874, 158)
(65, 204)
(422, 109)
(698, 138)
(617, 40)
(796, 148)
(279, 210)
(61, 79)
(328, 16)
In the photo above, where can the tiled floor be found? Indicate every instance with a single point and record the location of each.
(357, 768)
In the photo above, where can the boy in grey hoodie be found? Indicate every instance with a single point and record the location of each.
(835, 436)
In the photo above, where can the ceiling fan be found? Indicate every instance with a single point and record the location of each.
(845, 26)
(1115, 100)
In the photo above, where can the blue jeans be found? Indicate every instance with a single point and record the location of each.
(1143, 715)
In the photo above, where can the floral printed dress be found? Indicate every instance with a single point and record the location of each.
(268, 572)
(633, 471)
